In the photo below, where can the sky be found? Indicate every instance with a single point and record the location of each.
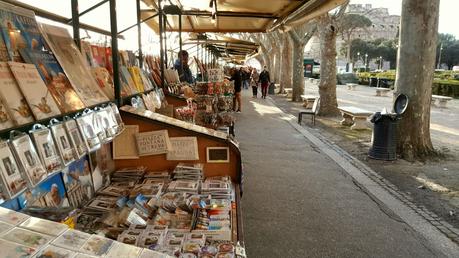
(448, 12)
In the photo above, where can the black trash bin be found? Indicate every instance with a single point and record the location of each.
(384, 138)
(373, 82)
(271, 88)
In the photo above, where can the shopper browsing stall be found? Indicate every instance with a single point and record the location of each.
(236, 76)
(181, 65)
(264, 80)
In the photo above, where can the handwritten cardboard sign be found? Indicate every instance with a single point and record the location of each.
(183, 148)
(153, 143)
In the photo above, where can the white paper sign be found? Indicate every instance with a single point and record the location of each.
(153, 143)
(183, 148)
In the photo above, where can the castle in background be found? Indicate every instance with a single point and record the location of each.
(384, 26)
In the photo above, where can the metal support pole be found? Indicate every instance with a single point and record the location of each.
(139, 33)
(165, 38)
(180, 31)
(115, 59)
(76, 23)
(161, 47)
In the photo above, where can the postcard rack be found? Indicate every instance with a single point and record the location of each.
(208, 139)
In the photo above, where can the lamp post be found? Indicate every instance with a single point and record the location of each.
(358, 56)
(380, 63)
(439, 56)
(366, 61)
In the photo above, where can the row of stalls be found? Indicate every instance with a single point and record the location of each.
(105, 152)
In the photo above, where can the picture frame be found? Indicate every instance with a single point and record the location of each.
(79, 144)
(11, 177)
(46, 149)
(88, 131)
(217, 155)
(28, 159)
(63, 143)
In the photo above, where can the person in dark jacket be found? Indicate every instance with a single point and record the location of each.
(181, 65)
(264, 80)
(236, 76)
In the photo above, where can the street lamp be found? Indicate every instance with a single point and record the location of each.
(439, 56)
(380, 63)
(366, 61)
(358, 56)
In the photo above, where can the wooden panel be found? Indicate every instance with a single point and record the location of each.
(159, 162)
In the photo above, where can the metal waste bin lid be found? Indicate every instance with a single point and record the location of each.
(401, 104)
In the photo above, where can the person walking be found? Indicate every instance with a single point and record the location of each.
(236, 76)
(254, 82)
(264, 80)
(245, 77)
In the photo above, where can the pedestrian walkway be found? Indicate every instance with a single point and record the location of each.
(299, 203)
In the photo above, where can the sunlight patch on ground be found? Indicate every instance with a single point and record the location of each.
(265, 109)
(432, 185)
(444, 129)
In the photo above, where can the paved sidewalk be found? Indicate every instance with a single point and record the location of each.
(299, 203)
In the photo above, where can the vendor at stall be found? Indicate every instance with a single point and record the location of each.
(181, 65)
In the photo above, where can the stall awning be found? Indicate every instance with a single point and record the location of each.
(228, 16)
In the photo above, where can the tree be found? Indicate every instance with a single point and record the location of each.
(286, 71)
(300, 35)
(328, 28)
(350, 23)
(449, 50)
(374, 49)
(416, 61)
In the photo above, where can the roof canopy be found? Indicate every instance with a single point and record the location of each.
(236, 15)
(227, 48)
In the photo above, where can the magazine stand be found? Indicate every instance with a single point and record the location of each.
(149, 121)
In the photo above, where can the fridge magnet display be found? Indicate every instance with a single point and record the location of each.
(71, 239)
(55, 79)
(10, 175)
(66, 151)
(49, 193)
(183, 148)
(77, 141)
(44, 226)
(12, 217)
(97, 245)
(73, 63)
(34, 89)
(86, 125)
(54, 251)
(153, 143)
(124, 145)
(78, 182)
(10, 249)
(14, 100)
(28, 159)
(46, 148)
(218, 155)
(27, 238)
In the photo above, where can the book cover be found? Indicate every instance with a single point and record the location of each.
(135, 74)
(4, 57)
(127, 81)
(73, 63)
(5, 116)
(10, 174)
(87, 53)
(15, 102)
(104, 79)
(78, 182)
(19, 30)
(55, 79)
(98, 59)
(109, 59)
(49, 193)
(34, 89)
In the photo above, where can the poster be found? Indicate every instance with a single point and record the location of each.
(183, 148)
(49, 193)
(78, 182)
(153, 143)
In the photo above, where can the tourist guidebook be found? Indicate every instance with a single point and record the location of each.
(35, 91)
(55, 79)
(19, 30)
(74, 65)
(14, 100)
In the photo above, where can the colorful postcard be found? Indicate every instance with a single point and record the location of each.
(55, 79)
(51, 251)
(97, 245)
(5, 227)
(71, 239)
(12, 217)
(27, 238)
(9, 170)
(14, 250)
(63, 143)
(78, 182)
(47, 149)
(49, 193)
(123, 250)
(67, 53)
(44, 226)
(19, 29)
(13, 98)
(35, 91)
(29, 159)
